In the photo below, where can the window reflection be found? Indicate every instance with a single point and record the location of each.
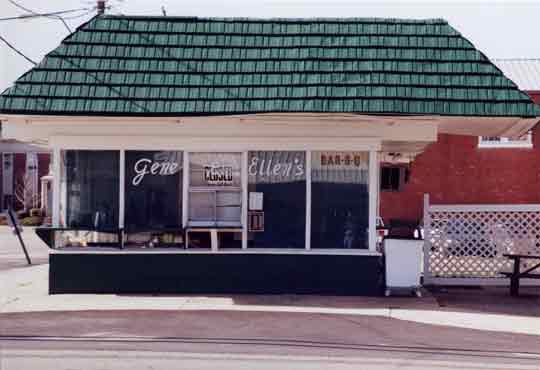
(153, 189)
(339, 199)
(90, 188)
(277, 199)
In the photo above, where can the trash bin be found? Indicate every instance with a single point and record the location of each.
(403, 265)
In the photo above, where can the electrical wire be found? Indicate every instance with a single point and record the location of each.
(45, 15)
(17, 50)
(80, 15)
(95, 77)
(58, 17)
(105, 83)
(188, 66)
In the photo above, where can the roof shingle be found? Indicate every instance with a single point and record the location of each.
(126, 65)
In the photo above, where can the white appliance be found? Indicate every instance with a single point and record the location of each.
(403, 265)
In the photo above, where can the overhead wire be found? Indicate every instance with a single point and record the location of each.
(34, 14)
(38, 15)
(58, 17)
(80, 15)
(187, 65)
(12, 47)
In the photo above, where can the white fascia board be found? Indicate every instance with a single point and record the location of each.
(213, 144)
(512, 127)
(387, 128)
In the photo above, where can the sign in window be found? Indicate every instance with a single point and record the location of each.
(277, 199)
(339, 199)
(153, 189)
(215, 192)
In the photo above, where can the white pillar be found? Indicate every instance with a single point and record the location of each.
(245, 200)
(43, 195)
(56, 187)
(308, 199)
(185, 190)
(427, 247)
(373, 197)
(122, 190)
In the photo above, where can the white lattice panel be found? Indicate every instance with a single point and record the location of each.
(469, 241)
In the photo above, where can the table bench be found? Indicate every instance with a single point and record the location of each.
(214, 240)
(517, 274)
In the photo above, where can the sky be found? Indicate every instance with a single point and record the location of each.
(500, 29)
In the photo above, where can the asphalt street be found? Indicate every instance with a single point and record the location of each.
(102, 340)
(62, 354)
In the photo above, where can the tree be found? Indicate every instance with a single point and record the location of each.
(26, 192)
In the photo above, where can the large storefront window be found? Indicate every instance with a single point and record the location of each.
(215, 189)
(277, 199)
(90, 189)
(153, 190)
(340, 201)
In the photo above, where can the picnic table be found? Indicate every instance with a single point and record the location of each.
(517, 274)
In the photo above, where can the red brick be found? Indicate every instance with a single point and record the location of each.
(455, 171)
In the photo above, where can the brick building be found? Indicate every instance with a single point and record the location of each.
(23, 165)
(466, 169)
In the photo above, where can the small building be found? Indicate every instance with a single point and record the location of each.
(216, 155)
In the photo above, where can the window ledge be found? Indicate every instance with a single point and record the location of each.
(496, 145)
(101, 250)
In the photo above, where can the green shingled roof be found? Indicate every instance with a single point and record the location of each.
(127, 65)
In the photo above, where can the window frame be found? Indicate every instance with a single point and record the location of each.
(373, 185)
(403, 177)
(62, 189)
(188, 222)
(505, 142)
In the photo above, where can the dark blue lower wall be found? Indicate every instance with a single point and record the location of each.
(218, 273)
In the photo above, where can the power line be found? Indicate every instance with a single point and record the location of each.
(17, 50)
(95, 77)
(34, 13)
(45, 15)
(105, 83)
(80, 15)
(188, 66)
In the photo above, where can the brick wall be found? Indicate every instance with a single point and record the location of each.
(19, 169)
(535, 96)
(455, 170)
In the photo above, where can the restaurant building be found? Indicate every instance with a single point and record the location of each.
(202, 155)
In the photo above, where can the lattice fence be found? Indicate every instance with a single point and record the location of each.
(467, 243)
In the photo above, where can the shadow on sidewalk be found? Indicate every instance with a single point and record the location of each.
(494, 300)
(488, 300)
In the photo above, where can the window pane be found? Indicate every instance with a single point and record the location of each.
(277, 184)
(215, 169)
(228, 206)
(153, 190)
(339, 199)
(391, 177)
(90, 188)
(202, 206)
(215, 189)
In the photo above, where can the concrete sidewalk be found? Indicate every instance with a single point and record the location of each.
(11, 253)
(24, 290)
